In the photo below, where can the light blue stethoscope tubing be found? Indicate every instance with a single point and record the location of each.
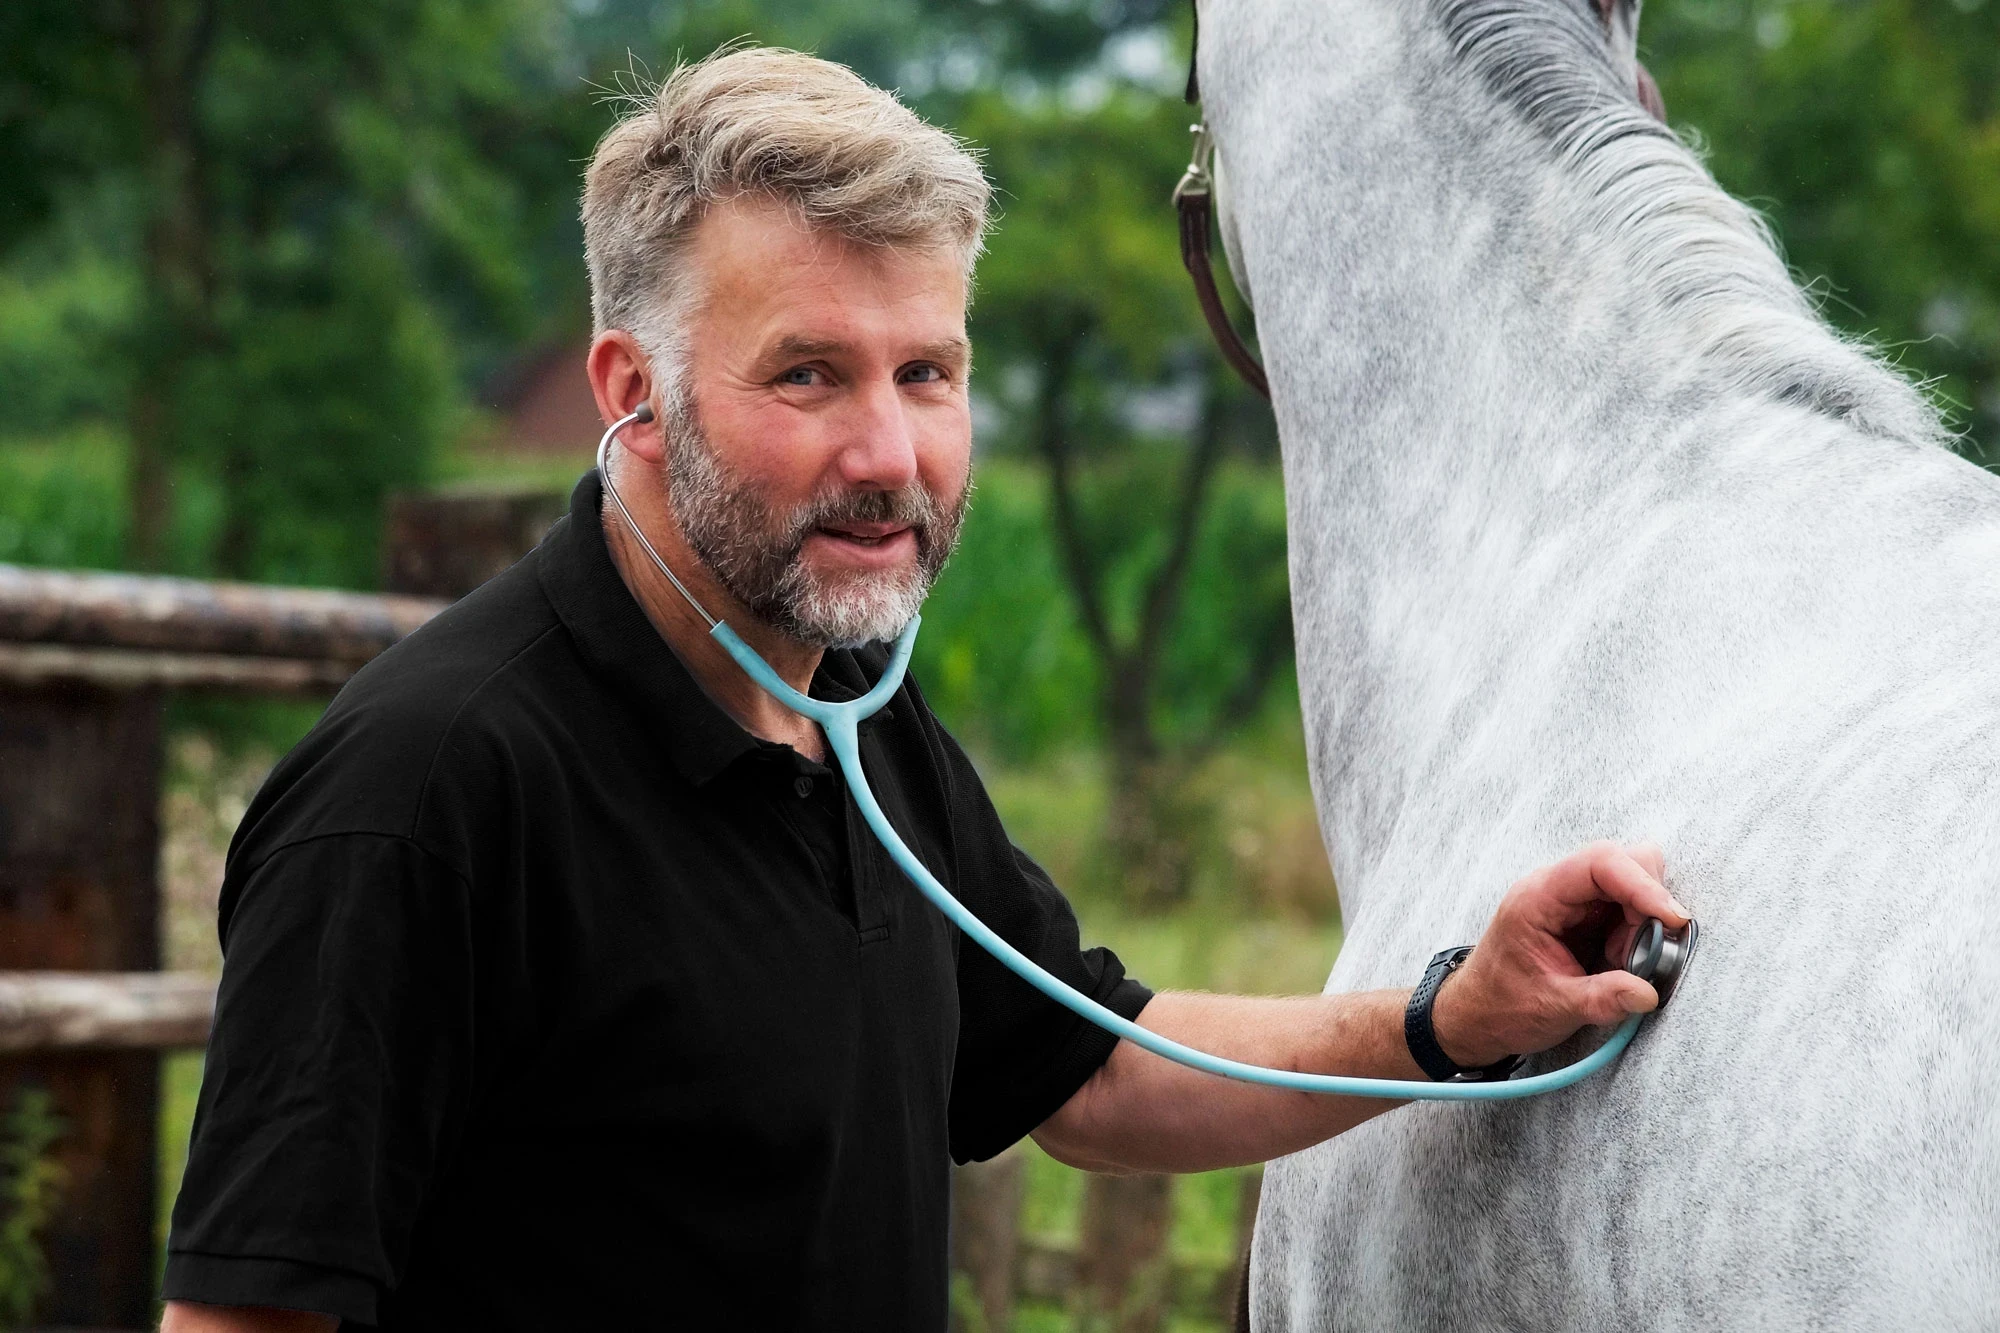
(841, 722)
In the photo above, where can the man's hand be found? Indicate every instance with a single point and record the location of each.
(1523, 989)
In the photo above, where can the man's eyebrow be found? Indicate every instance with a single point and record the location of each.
(952, 349)
(798, 346)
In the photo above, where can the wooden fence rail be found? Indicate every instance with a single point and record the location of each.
(42, 1012)
(138, 611)
(86, 661)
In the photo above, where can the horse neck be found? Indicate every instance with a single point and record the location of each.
(1489, 337)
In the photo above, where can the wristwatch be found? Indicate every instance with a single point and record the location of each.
(1423, 1040)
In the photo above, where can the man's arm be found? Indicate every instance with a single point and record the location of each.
(192, 1317)
(1522, 990)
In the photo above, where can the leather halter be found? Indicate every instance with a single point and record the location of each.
(1194, 202)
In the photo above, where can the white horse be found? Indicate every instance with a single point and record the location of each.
(1597, 530)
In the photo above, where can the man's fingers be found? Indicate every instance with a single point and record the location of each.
(1606, 870)
(1609, 996)
(1649, 856)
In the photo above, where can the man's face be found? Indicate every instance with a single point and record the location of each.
(822, 471)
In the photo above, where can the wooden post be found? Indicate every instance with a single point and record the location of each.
(85, 660)
(445, 543)
(986, 1238)
(79, 891)
(1125, 1269)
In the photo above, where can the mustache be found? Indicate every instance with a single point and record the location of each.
(912, 507)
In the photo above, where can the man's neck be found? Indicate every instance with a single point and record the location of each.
(687, 634)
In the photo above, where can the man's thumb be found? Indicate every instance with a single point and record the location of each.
(1610, 996)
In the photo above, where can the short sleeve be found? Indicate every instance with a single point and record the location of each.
(336, 1077)
(1020, 1054)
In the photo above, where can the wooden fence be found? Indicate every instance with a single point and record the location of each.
(86, 662)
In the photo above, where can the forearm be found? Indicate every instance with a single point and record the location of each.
(1524, 989)
(194, 1317)
(1140, 1112)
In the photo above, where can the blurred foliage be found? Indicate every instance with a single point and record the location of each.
(1080, 192)
(1001, 654)
(252, 228)
(380, 200)
(256, 259)
(31, 1182)
(1135, 515)
(1159, 530)
(1869, 133)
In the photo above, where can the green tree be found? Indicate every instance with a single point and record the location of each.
(291, 190)
(1083, 305)
(1870, 134)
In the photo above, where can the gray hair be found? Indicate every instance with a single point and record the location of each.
(844, 155)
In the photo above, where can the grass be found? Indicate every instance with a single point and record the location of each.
(180, 1084)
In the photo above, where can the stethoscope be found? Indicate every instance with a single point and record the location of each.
(1658, 955)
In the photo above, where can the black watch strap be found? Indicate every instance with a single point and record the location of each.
(1422, 1039)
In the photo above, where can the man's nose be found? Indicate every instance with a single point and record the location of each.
(880, 445)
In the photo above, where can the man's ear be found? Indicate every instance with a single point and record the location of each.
(1621, 30)
(621, 377)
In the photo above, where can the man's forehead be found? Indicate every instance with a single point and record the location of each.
(763, 263)
(750, 239)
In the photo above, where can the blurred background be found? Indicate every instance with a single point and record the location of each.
(273, 275)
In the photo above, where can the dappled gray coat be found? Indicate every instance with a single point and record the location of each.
(1598, 531)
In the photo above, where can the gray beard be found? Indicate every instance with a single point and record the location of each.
(755, 552)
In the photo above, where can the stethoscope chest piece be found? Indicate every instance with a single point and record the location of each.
(1661, 956)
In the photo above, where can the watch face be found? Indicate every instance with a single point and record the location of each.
(1450, 957)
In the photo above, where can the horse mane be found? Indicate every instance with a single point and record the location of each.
(1711, 260)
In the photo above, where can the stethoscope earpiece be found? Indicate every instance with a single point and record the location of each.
(642, 413)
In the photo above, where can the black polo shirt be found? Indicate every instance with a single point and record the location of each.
(552, 999)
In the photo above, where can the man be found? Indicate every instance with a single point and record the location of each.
(564, 987)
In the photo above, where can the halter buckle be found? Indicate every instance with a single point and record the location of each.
(1196, 181)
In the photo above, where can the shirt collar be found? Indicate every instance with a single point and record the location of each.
(621, 646)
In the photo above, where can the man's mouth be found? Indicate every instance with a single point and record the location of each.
(865, 534)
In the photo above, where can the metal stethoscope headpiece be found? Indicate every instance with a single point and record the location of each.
(1661, 956)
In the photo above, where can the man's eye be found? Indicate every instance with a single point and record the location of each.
(802, 376)
(923, 374)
